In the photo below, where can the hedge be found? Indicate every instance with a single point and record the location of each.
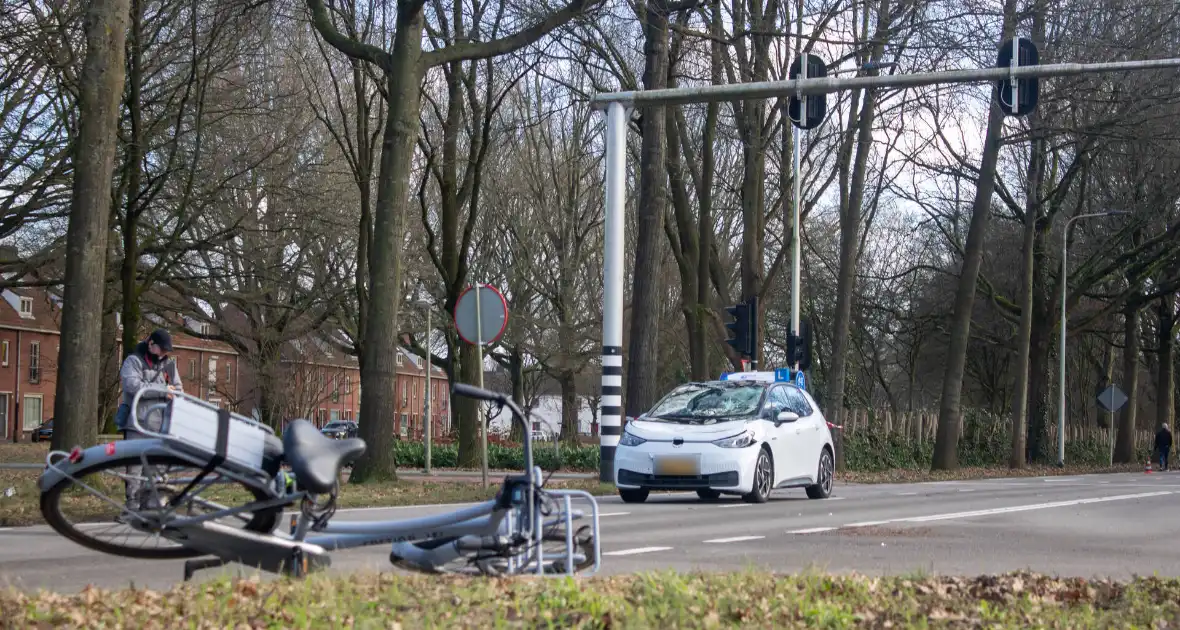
(863, 452)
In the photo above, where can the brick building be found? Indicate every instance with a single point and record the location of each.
(29, 343)
(322, 383)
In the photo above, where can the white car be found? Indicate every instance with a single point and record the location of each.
(744, 437)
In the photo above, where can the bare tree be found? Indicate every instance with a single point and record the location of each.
(403, 68)
(100, 86)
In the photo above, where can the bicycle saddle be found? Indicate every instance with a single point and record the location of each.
(315, 458)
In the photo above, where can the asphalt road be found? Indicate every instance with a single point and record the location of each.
(1109, 525)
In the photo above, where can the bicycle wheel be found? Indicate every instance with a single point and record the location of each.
(91, 520)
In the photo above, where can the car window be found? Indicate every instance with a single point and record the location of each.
(796, 401)
(777, 399)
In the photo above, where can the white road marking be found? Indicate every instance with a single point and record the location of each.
(613, 514)
(836, 498)
(966, 489)
(631, 552)
(1025, 508)
(735, 505)
(866, 523)
(734, 539)
(907, 494)
(813, 530)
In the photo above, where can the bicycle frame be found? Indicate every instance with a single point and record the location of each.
(472, 527)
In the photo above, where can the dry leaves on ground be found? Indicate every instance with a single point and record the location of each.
(653, 600)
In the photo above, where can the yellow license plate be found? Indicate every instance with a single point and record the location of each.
(677, 466)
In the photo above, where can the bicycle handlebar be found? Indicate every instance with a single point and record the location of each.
(478, 393)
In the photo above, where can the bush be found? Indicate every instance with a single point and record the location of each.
(982, 444)
(983, 447)
(501, 457)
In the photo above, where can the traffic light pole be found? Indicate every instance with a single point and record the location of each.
(796, 248)
(828, 85)
(616, 104)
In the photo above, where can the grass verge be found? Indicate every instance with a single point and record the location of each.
(23, 508)
(915, 475)
(651, 600)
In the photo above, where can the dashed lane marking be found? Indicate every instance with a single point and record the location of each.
(734, 539)
(637, 550)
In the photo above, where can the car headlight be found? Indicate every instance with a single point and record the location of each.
(630, 439)
(741, 440)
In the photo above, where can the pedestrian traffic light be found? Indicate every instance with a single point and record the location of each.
(817, 104)
(1018, 97)
(743, 326)
(799, 348)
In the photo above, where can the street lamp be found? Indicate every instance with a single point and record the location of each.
(1061, 349)
(428, 305)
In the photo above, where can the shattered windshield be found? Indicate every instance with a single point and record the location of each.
(708, 402)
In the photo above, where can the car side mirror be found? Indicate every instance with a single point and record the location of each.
(786, 416)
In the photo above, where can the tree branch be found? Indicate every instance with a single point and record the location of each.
(509, 44)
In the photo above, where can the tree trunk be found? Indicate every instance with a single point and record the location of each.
(643, 351)
(516, 375)
(109, 387)
(99, 92)
(468, 417)
(1124, 446)
(569, 408)
(1165, 392)
(850, 224)
(364, 178)
(705, 199)
(379, 369)
(946, 444)
(129, 271)
(1032, 211)
(1016, 456)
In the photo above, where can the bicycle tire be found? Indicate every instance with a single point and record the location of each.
(261, 522)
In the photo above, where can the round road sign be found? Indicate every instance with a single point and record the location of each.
(493, 315)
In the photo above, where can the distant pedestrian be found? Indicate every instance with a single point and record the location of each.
(1163, 444)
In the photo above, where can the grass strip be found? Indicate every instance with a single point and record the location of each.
(23, 507)
(650, 600)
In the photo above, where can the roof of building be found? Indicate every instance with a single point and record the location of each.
(30, 308)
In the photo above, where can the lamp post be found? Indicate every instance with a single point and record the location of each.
(1061, 348)
(426, 304)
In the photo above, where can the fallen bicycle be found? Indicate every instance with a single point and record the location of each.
(237, 461)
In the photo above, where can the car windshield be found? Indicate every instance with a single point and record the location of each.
(706, 403)
(337, 425)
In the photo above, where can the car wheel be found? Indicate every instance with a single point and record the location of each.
(708, 494)
(824, 477)
(763, 479)
(632, 495)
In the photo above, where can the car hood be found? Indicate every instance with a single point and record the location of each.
(668, 431)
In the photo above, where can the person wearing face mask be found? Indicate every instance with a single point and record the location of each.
(149, 364)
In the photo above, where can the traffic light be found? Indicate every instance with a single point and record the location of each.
(799, 348)
(744, 326)
(1027, 89)
(817, 104)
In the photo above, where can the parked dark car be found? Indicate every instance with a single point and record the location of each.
(340, 430)
(43, 432)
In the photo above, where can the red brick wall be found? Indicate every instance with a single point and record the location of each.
(21, 390)
(411, 388)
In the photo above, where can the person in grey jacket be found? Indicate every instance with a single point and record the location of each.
(149, 364)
